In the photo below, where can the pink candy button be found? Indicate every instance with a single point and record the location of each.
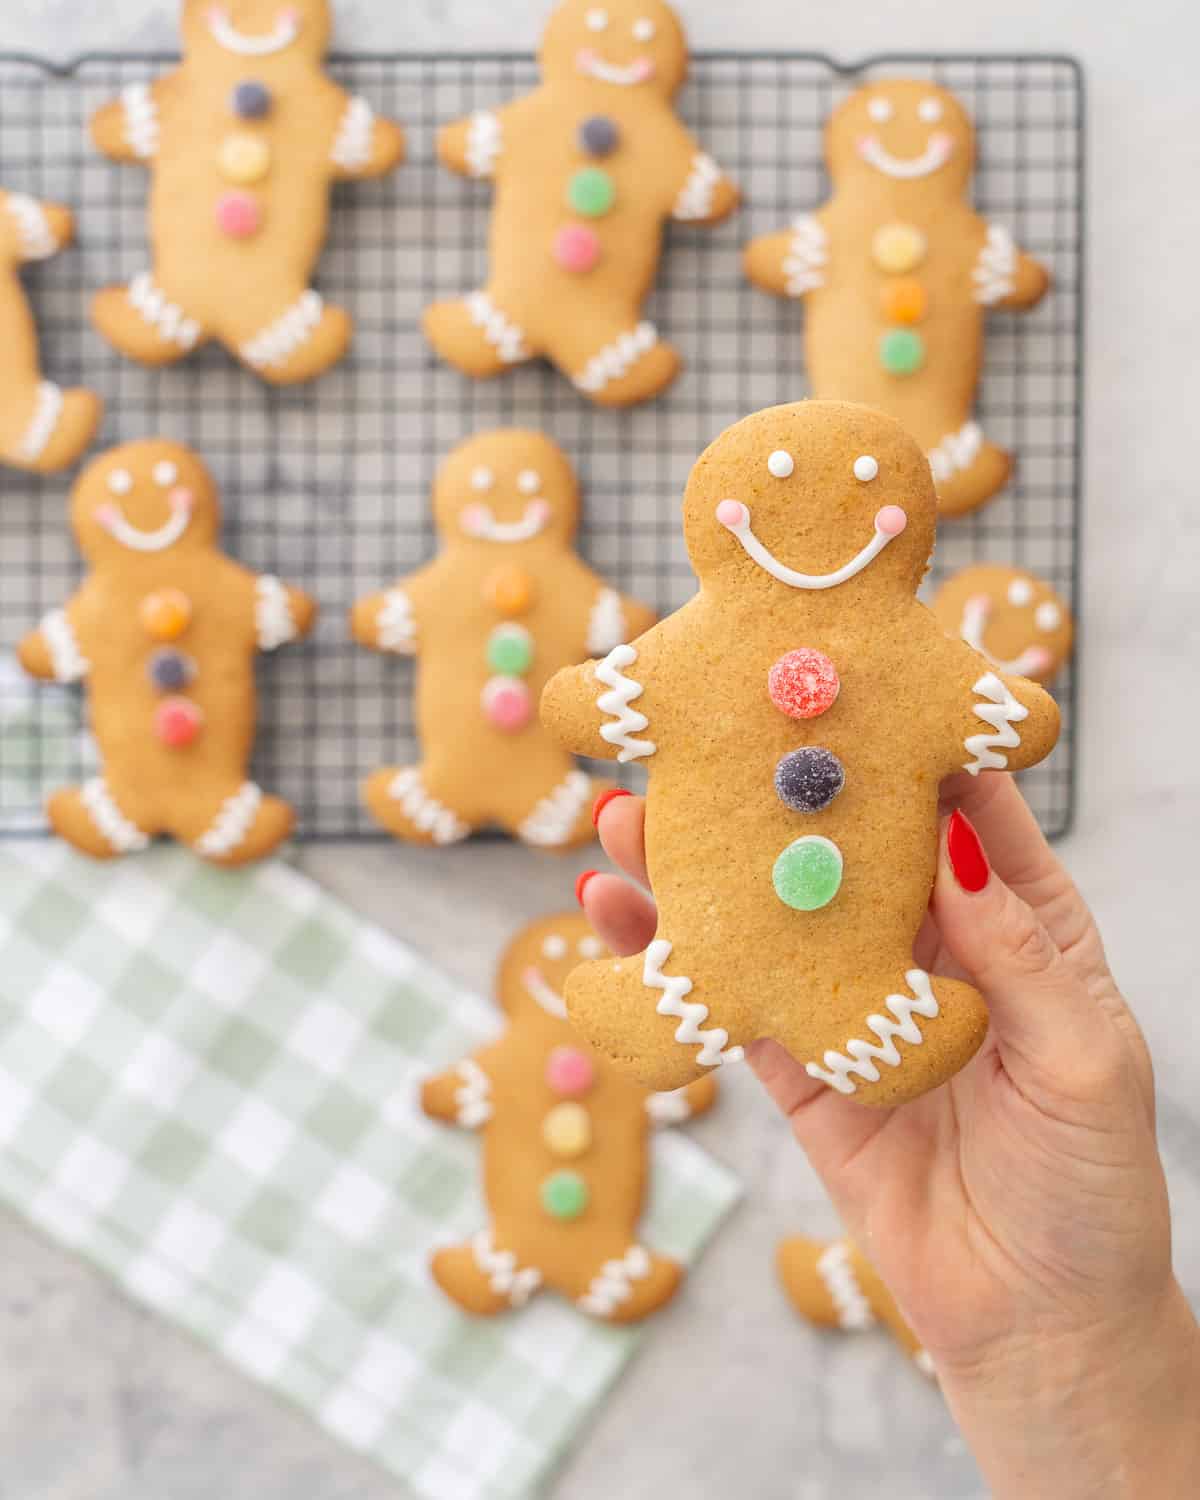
(577, 248)
(238, 215)
(570, 1072)
(803, 684)
(507, 704)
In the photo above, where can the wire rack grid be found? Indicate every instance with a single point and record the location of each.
(328, 485)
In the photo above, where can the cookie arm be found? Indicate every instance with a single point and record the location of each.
(597, 709)
(128, 129)
(462, 1095)
(281, 613)
(364, 144)
(52, 651)
(606, 617)
(706, 195)
(472, 147)
(391, 620)
(997, 722)
(792, 262)
(696, 1098)
(1004, 275)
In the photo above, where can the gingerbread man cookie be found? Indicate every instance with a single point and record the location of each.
(504, 605)
(897, 272)
(565, 1143)
(42, 428)
(835, 1286)
(163, 633)
(795, 719)
(1010, 617)
(587, 170)
(244, 142)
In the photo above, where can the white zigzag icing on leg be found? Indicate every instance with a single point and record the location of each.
(273, 614)
(553, 820)
(695, 199)
(806, 257)
(68, 662)
(125, 837)
(396, 626)
(472, 1100)
(1001, 711)
(713, 1044)
(864, 1056)
(430, 815)
(165, 317)
(837, 1272)
(995, 273)
(504, 336)
(622, 692)
(232, 824)
(616, 360)
(275, 345)
(957, 451)
(46, 412)
(141, 120)
(500, 1268)
(606, 624)
(352, 145)
(37, 238)
(484, 142)
(614, 1283)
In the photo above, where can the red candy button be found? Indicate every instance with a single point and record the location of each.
(577, 248)
(803, 684)
(570, 1072)
(177, 722)
(238, 215)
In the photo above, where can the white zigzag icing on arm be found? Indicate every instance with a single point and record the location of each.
(47, 409)
(713, 1044)
(851, 1305)
(232, 823)
(995, 273)
(606, 624)
(273, 614)
(614, 1284)
(500, 1267)
(616, 360)
(69, 663)
(165, 317)
(864, 1056)
(695, 199)
(505, 338)
(275, 345)
(622, 691)
(553, 820)
(957, 451)
(1001, 711)
(472, 1100)
(37, 238)
(806, 257)
(356, 132)
(485, 140)
(397, 626)
(141, 120)
(670, 1108)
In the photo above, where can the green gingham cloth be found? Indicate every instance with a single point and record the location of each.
(208, 1087)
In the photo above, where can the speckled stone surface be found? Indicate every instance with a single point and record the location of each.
(99, 1401)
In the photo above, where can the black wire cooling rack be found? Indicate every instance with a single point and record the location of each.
(329, 485)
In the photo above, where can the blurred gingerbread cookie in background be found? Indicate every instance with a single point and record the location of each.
(1010, 616)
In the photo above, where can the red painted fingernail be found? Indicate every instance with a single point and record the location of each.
(581, 884)
(967, 859)
(604, 799)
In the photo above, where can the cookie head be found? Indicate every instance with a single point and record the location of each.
(817, 499)
(504, 489)
(632, 45)
(256, 31)
(535, 965)
(151, 499)
(902, 130)
(1012, 618)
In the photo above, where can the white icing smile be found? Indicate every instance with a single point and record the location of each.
(226, 34)
(550, 1000)
(935, 155)
(113, 520)
(976, 613)
(735, 517)
(479, 522)
(641, 70)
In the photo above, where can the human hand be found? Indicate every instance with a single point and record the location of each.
(1019, 1213)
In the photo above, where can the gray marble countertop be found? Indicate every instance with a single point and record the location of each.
(101, 1402)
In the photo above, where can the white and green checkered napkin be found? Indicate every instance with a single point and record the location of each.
(208, 1086)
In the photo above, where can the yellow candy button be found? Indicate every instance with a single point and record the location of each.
(244, 158)
(567, 1130)
(509, 591)
(904, 302)
(898, 248)
(165, 615)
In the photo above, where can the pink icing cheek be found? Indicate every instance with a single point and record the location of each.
(181, 499)
(979, 603)
(733, 513)
(891, 521)
(1039, 659)
(475, 519)
(540, 510)
(107, 517)
(644, 69)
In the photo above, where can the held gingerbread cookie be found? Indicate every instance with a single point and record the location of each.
(795, 719)
(504, 605)
(587, 171)
(244, 142)
(163, 633)
(42, 428)
(565, 1143)
(836, 1286)
(1012, 618)
(897, 272)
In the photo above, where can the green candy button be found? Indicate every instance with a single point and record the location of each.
(808, 873)
(564, 1195)
(592, 192)
(901, 351)
(510, 651)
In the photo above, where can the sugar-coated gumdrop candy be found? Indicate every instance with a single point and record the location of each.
(564, 1195)
(808, 780)
(599, 136)
(901, 351)
(577, 249)
(898, 248)
(591, 192)
(510, 650)
(244, 158)
(166, 614)
(803, 684)
(171, 670)
(507, 704)
(510, 591)
(177, 722)
(251, 100)
(239, 215)
(567, 1130)
(570, 1071)
(808, 873)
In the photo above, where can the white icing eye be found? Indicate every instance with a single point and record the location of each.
(880, 110)
(554, 947)
(529, 481)
(590, 947)
(120, 482)
(482, 479)
(165, 474)
(1020, 592)
(865, 468)
(597, 20)
(1048, 616)
(782, 465)
(644, 30)
(930, 110)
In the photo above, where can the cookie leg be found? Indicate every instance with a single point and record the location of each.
(476, 335)
(968, 470)
(561, 818)
(236, 827)
(145, 324)
(301, 339)
(628, 1287)
(90, 818)
(626, 365)
(401, 800)
(482, 1279)
(57, 427)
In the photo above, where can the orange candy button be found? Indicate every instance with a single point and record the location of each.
(509, 591)
(165, 615)
(904, 301)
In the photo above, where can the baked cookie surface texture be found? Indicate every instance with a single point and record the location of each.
(1008, 615)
